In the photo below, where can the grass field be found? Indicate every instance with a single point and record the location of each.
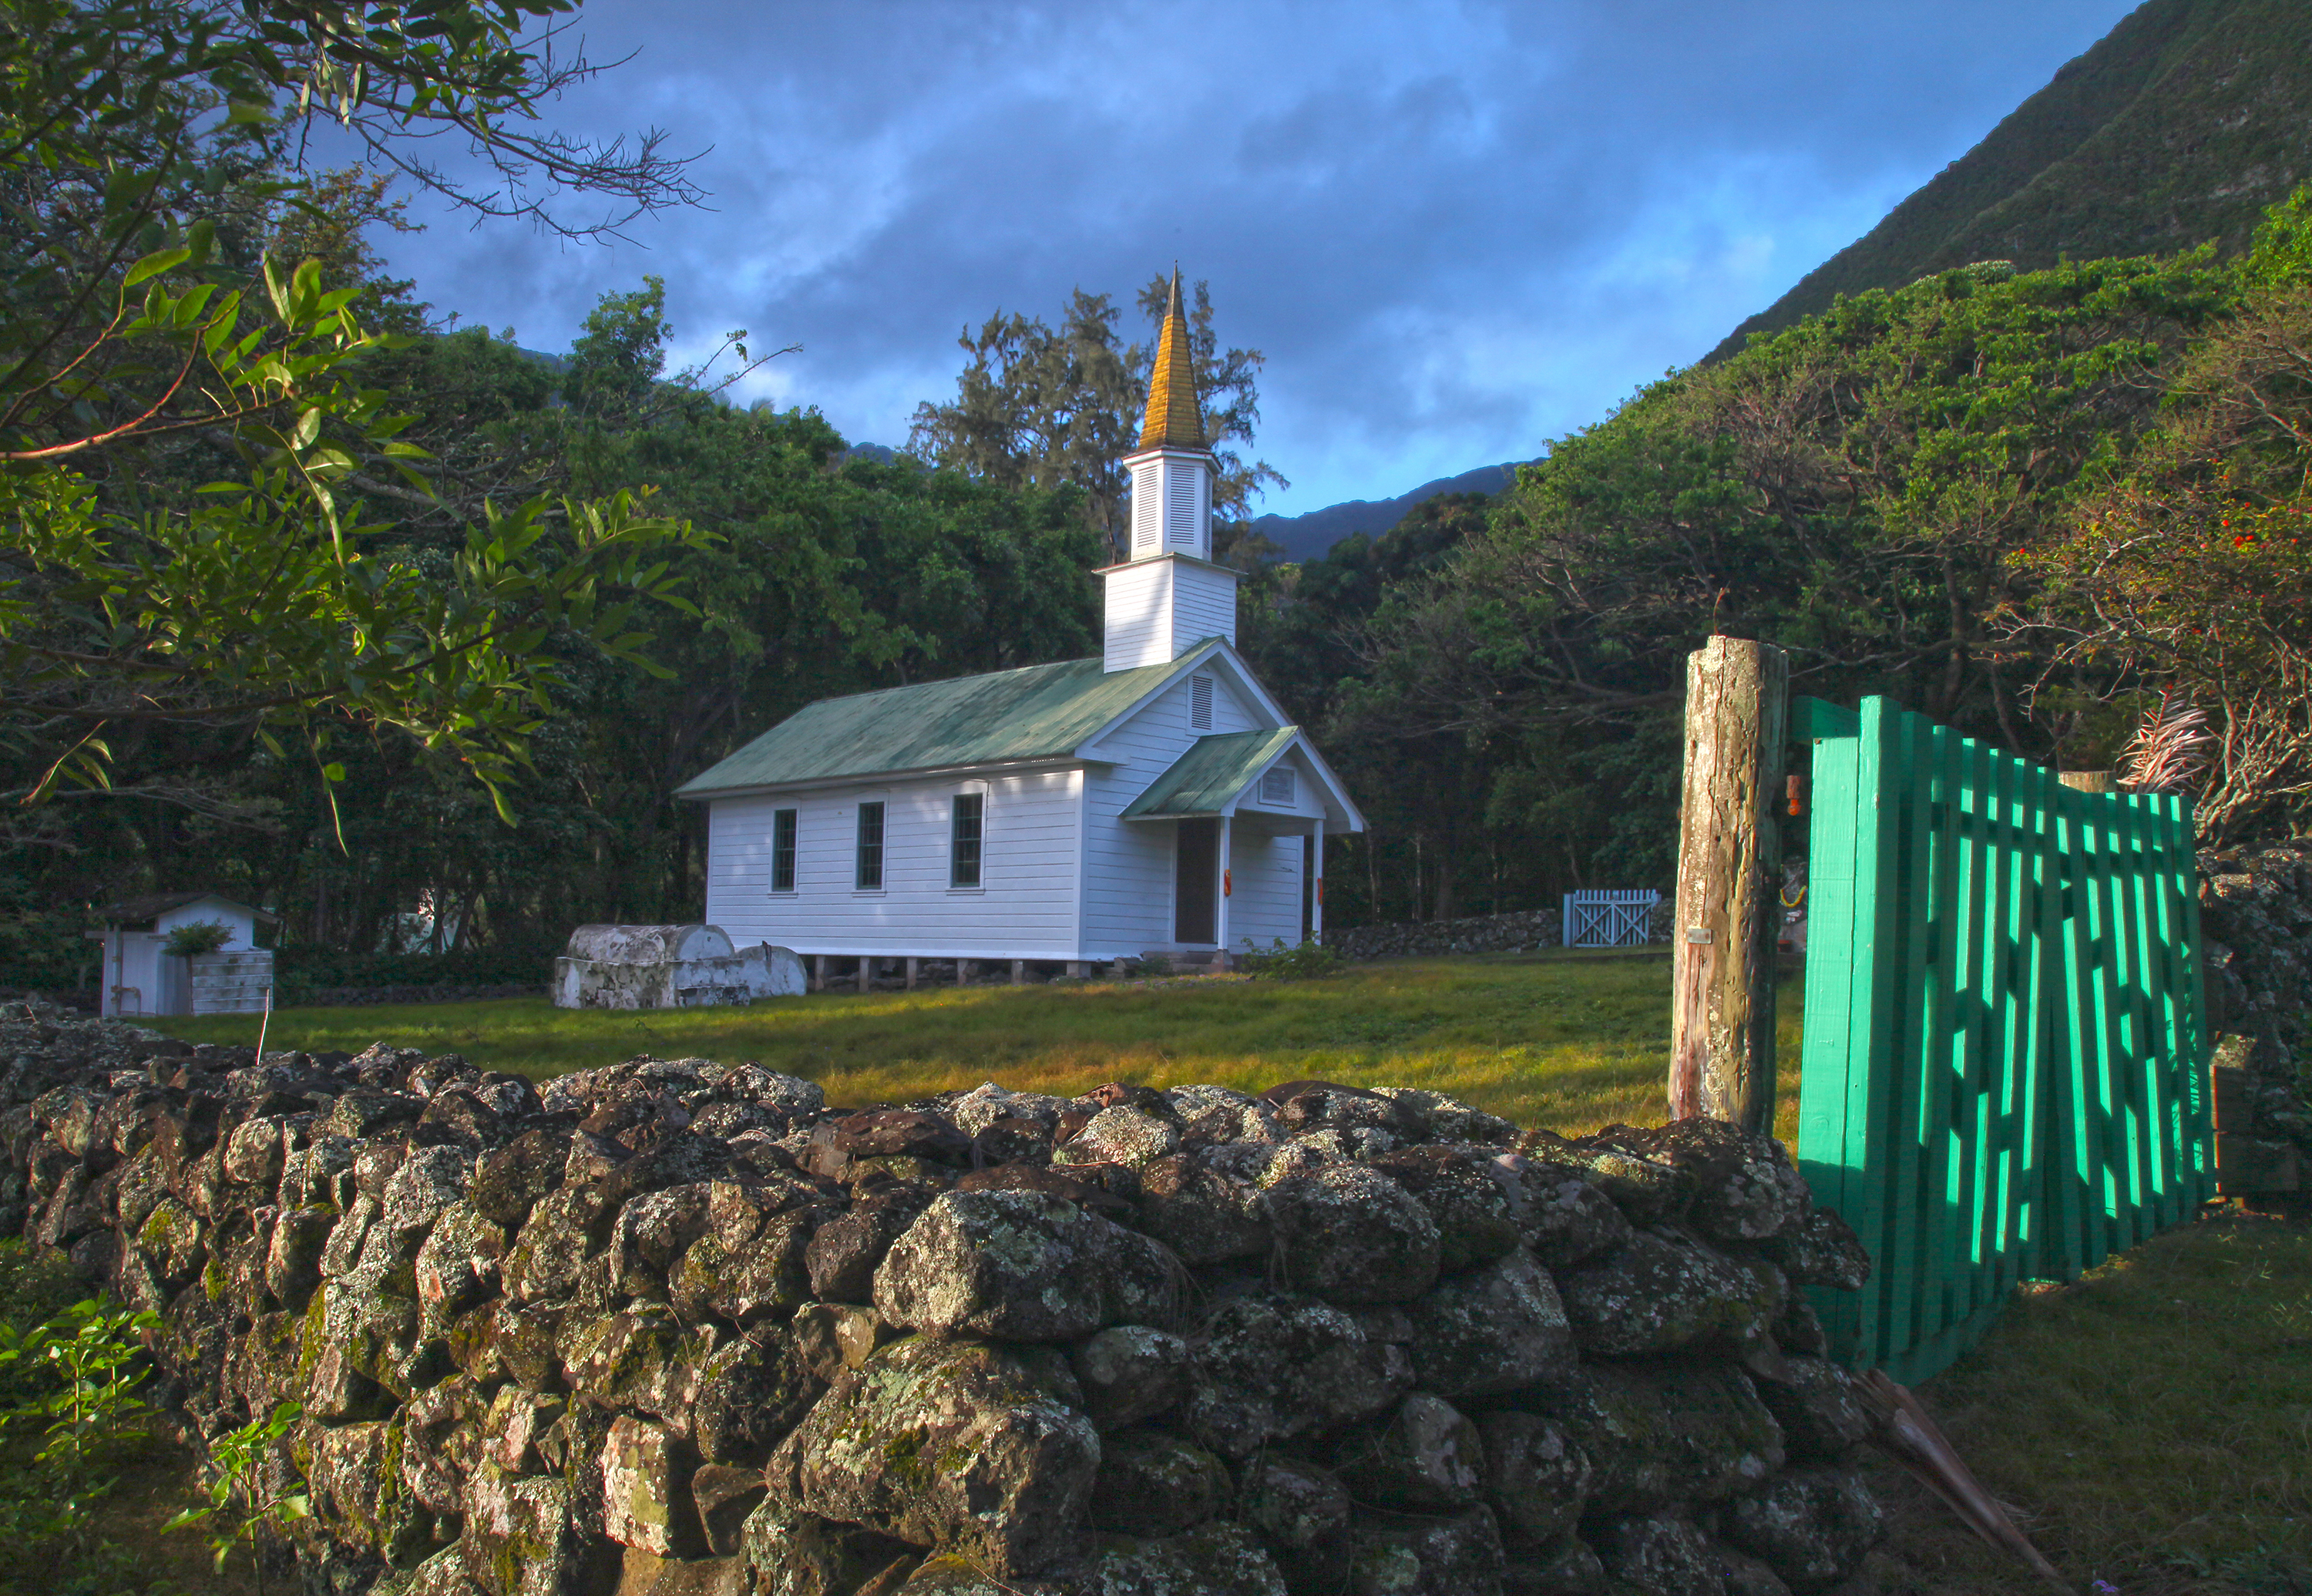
(1572, 1041)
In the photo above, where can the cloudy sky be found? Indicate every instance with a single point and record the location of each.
(1455, 230)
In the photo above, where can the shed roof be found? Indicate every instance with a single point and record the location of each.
(151, 904)
(1038, 712)
(1207, 778)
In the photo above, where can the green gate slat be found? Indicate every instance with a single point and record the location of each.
(2003, 1069)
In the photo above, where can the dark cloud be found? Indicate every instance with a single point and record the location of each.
(1456, 231)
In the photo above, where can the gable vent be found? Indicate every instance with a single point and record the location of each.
(1200, 703)
(1277, 784)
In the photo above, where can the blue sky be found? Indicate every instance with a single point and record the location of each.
(1455, 230)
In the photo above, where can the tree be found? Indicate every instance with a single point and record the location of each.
(137, 140)
(1040, 408)
(2189, 573)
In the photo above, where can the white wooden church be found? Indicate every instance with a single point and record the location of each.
(1154, 799)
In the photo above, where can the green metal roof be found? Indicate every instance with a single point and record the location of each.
(1038, 712)
(1213, 771)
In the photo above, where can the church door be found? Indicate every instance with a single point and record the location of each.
(1196, 881)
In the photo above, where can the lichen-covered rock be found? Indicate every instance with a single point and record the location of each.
(509, 1181)
(757, 1278)
(1814, 1401)
(515, 1423)
(1565, 1220)
(1215, 1560)
(649, 1234)
(1664, 1433)
(1537, 1481)
(1648, 1190)
(1151, 1482)
(457, 1267)
(1124, 1135)
(1301, 1514)
(1661, 1290)
(1744, 1187)
(1399, 1555)
(293, 1256)
(1495, 1328)
(948, 1574)
(725, 1497)
(174, 1243)
(518, 1539)
(1821, 1249)
(1433, 1117)
(1130, 1373)
(843, 1254)
(643, 1360)
(1474, 1203)
(353, 1473)
(1271, 1368)
(1565, 1567)
(568, 1226)
(1204, 1208)
(1020, 1266)
(832, 1337)
(646, 1500)
(1349, 1233)
(1659, 1557)
(1425, 1457)
(747, 1396)
(1744, 1576)
(1811, 1526)
(973, 1448)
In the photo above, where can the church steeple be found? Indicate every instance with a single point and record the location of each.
(1168, 596)
(1174, 420)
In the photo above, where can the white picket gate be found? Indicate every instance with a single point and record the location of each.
(1606, 917)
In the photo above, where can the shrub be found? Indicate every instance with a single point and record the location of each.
(1302, 961)
(196, 937)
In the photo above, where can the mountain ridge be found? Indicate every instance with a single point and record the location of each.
(2176, 127)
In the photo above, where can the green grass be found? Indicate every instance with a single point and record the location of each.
(1571, 1042)
(2152, 1423)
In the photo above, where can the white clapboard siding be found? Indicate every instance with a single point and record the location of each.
(1204, 605)
(1026, 906)
(1265, 870)
(1128, 863)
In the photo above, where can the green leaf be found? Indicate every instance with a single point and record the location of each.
(154, 264)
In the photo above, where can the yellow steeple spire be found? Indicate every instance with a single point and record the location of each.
(1173, 420)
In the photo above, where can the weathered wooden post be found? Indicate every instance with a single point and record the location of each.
(1721, 1036)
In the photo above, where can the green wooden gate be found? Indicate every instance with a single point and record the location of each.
(2006, 1048)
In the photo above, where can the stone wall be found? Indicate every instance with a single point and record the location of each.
(2255, 912)
(680, 1328)
(1521, 933)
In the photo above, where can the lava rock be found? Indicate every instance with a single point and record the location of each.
(1349, 1233)
(1491, 1329)
(976, 1448)
(1130, 1373)
(1151, 1482)
(1821, 1249)
(1814, 1401)
(1811, 1526)
(1473, 1203)
(1203, 1209)
(1404, 1556)
(1272, 1368)
(1659, 1557)
(1301, 1513)
(1425, 1456)
(1661, 1290)
(1021, 1267)
(1663, 1433)
(1537, 1481)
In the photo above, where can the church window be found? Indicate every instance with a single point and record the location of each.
(783, 850)
(1277, 784)
(871, 848)
(963, 857)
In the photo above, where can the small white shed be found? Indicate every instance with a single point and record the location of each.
(139, 978)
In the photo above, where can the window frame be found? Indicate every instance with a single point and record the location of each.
(1290, 782)
(786, 833)
(859, 853)
(977, 798)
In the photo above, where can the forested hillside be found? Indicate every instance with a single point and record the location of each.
(2178, 128)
